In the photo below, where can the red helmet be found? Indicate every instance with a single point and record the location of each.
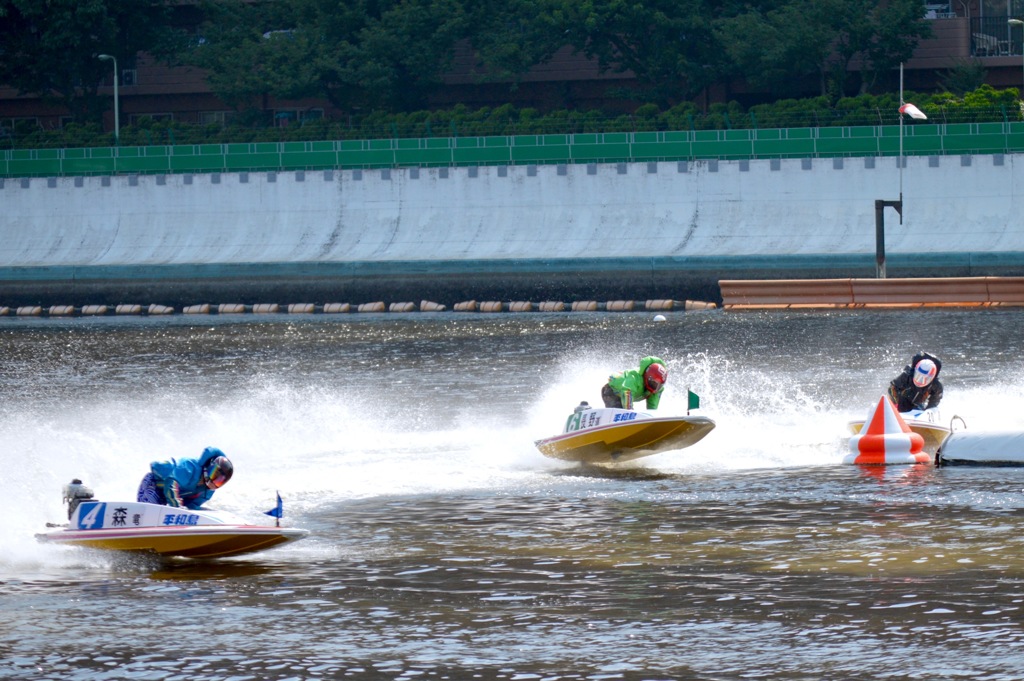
(655, 377)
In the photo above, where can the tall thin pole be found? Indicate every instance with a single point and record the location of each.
(117, 115)
(901, 139)
(881, 205)
(117, 102)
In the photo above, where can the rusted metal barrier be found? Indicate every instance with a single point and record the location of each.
(858, 293)
(1007, 291)
(966, 291)
(738, 294)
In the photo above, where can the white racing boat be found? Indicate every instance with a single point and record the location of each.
(163, 530)
(982, 448)
(926, 423)
(603, 436)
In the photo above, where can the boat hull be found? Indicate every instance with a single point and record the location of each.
(625, 441)
(982, 448)
(165, 531)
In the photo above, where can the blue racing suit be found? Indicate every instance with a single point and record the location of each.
(178, 482)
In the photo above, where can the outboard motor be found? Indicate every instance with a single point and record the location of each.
(74, 494)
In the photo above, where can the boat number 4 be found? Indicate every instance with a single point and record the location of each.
(90, 515)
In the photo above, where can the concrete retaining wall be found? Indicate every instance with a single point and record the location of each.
(642, 230)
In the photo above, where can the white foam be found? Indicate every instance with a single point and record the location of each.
(317, 446)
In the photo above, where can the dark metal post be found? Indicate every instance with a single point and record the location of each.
(880, 206)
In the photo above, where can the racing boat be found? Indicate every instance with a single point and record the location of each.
(603, 436)
(163, 530)
(982, 448)
(925, 422)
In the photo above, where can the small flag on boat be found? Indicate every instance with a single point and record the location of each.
(913, 112)
(692, 401)
(277, 511)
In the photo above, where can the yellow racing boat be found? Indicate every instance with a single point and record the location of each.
(604, 436)
(162, 530)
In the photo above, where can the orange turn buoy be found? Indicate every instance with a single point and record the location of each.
(886, 439)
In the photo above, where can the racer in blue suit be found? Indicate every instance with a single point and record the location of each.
(185, 483)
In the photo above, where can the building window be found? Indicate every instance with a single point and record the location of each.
(216, 117)
(285, 117)
(25, 123)
(163, 117)
(940, 10)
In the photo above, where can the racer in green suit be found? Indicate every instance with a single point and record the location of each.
(645, 383)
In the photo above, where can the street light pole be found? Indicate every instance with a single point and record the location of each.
(1018, 22)
(117, 105)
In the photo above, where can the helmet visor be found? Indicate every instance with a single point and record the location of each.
(216, 478)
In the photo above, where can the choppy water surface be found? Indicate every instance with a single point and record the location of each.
(445, 546)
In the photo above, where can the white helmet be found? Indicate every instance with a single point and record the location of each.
(924, 373)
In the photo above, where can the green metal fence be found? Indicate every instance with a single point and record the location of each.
(918, 139)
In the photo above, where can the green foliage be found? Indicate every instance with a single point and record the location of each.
(669, 46)
(511, 37)
(50, 48)
(890, 33)
(394, 55)
(982, 105)
(963, 77)
(785, 47)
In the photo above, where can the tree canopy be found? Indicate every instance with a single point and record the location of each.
(51, 48)
(393, 55)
